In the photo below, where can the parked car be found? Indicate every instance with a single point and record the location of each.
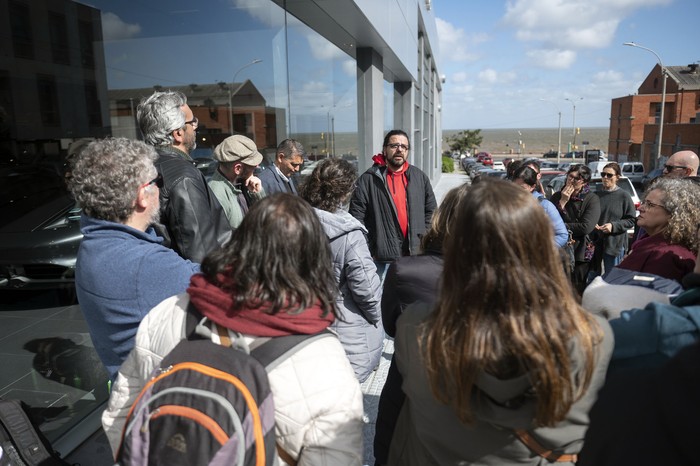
(484, 158)
(634, 171)
(501, 174)
(204, 161)
(498, 165)
(573, 155)
(546, 177)
(651, 176)
(594, 155)
(39, 229)
(596, 168)
(552, 154)
(467, 161)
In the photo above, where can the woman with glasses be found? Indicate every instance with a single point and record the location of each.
(359, 327)
(580, 210)
(617, 215)
(669, 216)
(526, 177)
(505, 367)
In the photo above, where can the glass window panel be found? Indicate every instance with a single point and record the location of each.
(242, 69)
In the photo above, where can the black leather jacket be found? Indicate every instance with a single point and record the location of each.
(191, 218)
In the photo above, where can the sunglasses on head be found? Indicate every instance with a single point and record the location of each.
(158, 181)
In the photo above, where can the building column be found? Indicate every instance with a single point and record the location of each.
(403, 107)
(370, 105)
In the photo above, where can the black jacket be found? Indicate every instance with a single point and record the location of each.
(409, 280)
(191, 218)
(372, 205)
(580, 216)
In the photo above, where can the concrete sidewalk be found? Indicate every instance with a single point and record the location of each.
(449, 181)
(372, 387)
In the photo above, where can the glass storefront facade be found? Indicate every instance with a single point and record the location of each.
(72, 71)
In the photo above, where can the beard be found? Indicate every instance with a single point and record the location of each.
(395, 163)
(191, 144)
(155, 213)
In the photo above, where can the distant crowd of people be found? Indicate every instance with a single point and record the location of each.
(521, 323)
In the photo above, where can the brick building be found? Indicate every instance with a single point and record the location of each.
(634, 119)
(213, 105)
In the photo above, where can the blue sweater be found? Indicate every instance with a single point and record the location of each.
(561, 234)
(121, 273)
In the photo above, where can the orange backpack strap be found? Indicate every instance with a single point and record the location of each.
(535, 447)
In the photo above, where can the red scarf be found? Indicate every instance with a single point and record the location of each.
(397, 182)
(217, 305)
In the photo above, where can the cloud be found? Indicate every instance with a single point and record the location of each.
(571, 24)
(262, 12)
(491, 76)
(321, 49)
(553, 59)
(456, 44)
(349, 67)
(114, 28)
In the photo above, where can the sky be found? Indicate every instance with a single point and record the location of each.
(500, 58)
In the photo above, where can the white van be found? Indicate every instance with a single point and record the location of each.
(596, 168)
(633, 170)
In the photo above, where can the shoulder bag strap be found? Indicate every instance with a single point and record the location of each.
(535, 447)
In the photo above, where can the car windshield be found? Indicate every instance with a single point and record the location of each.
(30, 189)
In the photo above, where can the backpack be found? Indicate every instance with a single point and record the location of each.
(618, 276)
(208, 404)
(21, 443)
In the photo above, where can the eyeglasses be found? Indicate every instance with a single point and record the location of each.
(669, 168)
(158, 181)
(649, 204)
(194, 122)
(396, 145)
(607, 175)
(572, 177)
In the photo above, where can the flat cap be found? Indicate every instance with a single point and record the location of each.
(238, 148)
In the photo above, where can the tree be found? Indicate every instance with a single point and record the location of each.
(465, 140)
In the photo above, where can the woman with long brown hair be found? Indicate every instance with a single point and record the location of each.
(506, 366)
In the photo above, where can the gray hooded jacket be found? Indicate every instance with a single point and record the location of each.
(429, 432)
(359, 302)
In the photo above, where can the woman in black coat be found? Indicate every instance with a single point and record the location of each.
(410, 279)
(580, 210)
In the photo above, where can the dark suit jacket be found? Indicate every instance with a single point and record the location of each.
(273, 183)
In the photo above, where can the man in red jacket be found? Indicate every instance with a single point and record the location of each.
(394, 201)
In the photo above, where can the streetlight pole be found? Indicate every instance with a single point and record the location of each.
(573, 124)
(230, 93)
(559, 143)
(664, 74)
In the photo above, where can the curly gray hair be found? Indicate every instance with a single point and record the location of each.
(682, 201)
(159, 115)
(106, 175)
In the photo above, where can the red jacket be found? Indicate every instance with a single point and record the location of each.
(653, 254)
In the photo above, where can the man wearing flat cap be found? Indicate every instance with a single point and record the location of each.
(234, 184)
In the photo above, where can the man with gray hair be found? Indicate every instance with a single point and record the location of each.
(122, 270)
(192, 220)
(277, 178)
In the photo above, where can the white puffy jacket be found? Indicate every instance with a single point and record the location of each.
(318, 402)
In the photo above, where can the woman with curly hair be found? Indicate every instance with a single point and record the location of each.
(669, 216)
(359, 324)
(505, 367)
